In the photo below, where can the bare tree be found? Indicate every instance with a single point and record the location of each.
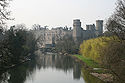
(36, 27)
(4, 12)
(116, 23)
(114, 57)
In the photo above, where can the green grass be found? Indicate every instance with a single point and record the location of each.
(88, 61)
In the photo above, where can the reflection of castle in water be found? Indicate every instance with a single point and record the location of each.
(65, 63)
(58, 62)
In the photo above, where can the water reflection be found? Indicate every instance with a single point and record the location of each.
(89, 78)
(44, 62)
(47, 69)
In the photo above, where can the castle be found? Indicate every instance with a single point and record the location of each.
(49, 37)
(91, 31)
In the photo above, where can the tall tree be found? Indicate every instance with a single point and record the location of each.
(116, 23)
(115, 56)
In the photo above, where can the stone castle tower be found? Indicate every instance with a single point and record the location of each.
(91, 31)
(99, 26)
(77, 29)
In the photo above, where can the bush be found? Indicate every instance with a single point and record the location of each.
(92, 48)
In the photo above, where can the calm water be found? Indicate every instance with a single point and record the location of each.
(49, 69)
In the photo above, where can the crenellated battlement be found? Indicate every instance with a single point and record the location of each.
(91, 31)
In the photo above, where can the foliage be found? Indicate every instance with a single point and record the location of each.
(108, 51)
(66, 45)
(16, 46)
(114, 59)
(92, 48)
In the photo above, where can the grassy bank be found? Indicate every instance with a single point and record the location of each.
(97, 70)
(96, 67)
(88, 61)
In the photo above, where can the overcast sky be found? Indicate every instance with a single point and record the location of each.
(60, 12)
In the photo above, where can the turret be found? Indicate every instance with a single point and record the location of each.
(99, 26)
(76, 29)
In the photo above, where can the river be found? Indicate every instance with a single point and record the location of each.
(49, 68)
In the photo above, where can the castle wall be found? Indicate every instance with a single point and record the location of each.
(90, 27)
(49, 37)
(91, 31)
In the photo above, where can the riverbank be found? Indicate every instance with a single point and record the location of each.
(95, 69)
(90, 63)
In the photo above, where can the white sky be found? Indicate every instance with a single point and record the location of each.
(60, 12)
